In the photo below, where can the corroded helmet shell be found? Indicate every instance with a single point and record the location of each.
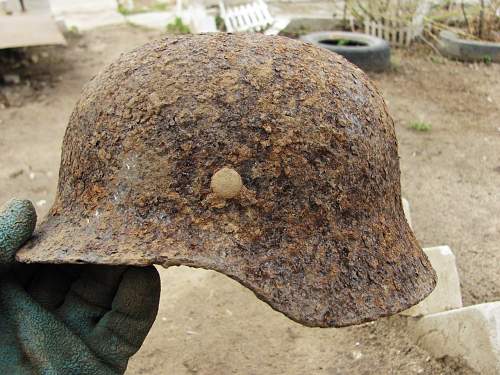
(315, 225)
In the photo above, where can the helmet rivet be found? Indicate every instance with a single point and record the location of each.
(226, 183)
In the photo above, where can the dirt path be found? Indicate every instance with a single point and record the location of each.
(209, 324)
(451, 174)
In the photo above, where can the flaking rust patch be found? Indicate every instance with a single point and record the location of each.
(317, 228)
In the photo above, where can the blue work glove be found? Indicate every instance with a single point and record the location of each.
(68, 319)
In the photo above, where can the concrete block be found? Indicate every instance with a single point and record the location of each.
(406, 209)
(446, 295)
(200, 21)
(88, 14)
(152, 20)
(471, 333)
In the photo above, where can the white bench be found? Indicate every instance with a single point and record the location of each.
(254, 16)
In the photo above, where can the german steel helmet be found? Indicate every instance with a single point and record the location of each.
(264, 158)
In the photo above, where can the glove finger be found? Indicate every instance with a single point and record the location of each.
(17, 223)
(121, 332)
(50, 285)
(89, 298)
(41, 343)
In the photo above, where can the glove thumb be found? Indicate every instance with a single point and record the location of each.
(17, 223)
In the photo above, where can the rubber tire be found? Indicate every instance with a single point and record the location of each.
(452, 46)
(375, 56)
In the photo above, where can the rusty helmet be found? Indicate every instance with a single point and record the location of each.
(264, 158)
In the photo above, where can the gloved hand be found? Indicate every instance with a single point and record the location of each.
(68, 319)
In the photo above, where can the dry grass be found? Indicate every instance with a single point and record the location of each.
(473, 21)
(403, 10)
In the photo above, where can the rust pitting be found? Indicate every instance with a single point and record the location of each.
(317, 229)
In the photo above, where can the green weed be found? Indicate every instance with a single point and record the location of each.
(178, 27)
(420, 126)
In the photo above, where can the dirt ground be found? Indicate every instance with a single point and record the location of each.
(209, 324)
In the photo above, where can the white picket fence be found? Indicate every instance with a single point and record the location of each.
(396, 33)
(253, 16)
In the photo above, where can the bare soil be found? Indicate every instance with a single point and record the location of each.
(209, 324)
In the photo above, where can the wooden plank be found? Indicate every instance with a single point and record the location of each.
(392, 31)
(228, 20)
(265, 12)
(245, 14)
(242, 26)
(278, 25)
(26, 30)
(231, 19)
(408, 36)
(258, 20)
(250, 14)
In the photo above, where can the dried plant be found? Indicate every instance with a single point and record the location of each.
(472, 21)
(402, 10)
(487, 25)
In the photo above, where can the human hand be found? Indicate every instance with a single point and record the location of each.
(68, 319)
